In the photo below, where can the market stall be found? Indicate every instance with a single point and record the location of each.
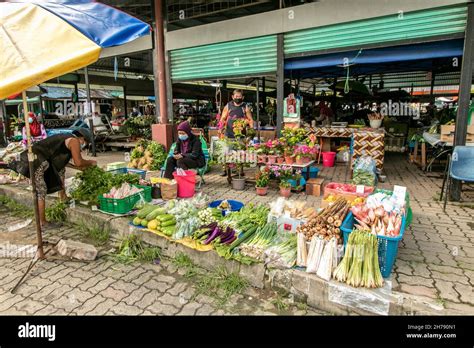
(364, 141)
(284, 234)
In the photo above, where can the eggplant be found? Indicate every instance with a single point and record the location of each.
(213, 235)
(229, 241)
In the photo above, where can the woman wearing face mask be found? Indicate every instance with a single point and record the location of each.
(52, 155)
(37, 130)
(188, 152)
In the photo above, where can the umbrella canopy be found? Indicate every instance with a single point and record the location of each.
(41, 40)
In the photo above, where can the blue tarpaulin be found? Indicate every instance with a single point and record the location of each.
(382, 56)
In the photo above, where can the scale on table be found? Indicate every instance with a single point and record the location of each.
(339, 124)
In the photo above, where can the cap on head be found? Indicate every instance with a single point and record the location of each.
(84, 133)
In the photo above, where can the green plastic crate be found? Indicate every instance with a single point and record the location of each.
(124, 205)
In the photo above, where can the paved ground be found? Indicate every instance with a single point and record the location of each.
(106, 287)
(435, 260)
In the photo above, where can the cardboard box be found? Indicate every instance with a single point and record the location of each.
(447, 133)
(313, 186)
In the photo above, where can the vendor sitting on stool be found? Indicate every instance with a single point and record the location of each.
(187, 153)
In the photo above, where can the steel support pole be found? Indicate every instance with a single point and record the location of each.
(125, 101)
(280, 83)
(4, 118)
(91, 121)
(31, 158)
(160, 61)
(433, 76)
(464, 93)
(257, 85)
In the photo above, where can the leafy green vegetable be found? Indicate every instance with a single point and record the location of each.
(95, 182)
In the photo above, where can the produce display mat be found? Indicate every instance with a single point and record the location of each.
(132, 212)
(186, 241)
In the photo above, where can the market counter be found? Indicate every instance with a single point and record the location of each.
(367, 141)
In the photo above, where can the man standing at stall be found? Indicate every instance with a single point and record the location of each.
(234, 110)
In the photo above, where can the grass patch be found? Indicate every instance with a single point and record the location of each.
(302, 306)
(220, 284)
(132, 249)
(439, 300)
(437, 196)
(183, 261)
(100, 234)
(56, 212)
(16, 209)
(280, 303)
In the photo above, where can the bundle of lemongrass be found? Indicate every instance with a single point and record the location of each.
(360, 265)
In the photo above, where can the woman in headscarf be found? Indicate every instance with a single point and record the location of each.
(52, 155)
(37, 130)
(188, 151)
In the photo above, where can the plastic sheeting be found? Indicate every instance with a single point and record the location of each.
(375, 301)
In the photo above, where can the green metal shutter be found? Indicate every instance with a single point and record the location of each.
(233, 58)
(418, 24)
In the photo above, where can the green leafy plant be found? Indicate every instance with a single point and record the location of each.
(56, 212)
(280, 303)
(94, 182)
(132, 249)
(262, 178)
(220, 284)
(100, 234)
(183, 261)
(15, 208)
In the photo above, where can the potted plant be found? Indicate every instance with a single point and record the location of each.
(239, 182)
(375, 120)
(285, 189)
(311, 141)
(289, 155)
(303, 154)
(261, 151)
(262, 178)
(271, 156)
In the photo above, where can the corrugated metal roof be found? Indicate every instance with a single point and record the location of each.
(233, 58)
(411, 25)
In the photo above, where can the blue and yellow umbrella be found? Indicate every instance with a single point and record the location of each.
(40, 40)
